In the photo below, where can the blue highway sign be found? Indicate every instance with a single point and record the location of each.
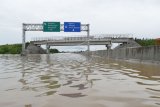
(72, 27)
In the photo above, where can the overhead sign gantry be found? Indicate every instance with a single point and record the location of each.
(55, 27)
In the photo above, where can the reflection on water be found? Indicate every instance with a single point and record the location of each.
(28, 105)
(73, 95)
(69, 80)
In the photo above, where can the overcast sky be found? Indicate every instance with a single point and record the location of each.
(138, 17)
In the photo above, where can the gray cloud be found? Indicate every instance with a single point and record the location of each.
(139, 17)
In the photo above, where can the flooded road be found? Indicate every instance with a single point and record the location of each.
(73, 80)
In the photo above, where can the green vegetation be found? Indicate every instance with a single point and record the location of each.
(54, 51)
(16, 49)
(146, 42)
(11, 49)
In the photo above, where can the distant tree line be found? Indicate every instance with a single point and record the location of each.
(11, 49)
(54, 51)
(17, 48)
(148, 42)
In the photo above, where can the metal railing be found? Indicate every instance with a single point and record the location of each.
(84, 38)
(69, 39)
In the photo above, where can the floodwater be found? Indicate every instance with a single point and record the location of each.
(74, 80)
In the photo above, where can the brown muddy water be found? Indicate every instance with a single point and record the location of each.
(74, 80)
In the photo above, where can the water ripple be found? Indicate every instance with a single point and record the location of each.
(39, 78)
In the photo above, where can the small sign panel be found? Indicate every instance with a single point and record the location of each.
(51, 26)
(72, 27)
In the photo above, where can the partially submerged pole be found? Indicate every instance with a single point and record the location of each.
(23, 40)
(88, 33)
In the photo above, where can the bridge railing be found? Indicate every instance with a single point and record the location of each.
(70, 39)
(84, 38)
(114, 35)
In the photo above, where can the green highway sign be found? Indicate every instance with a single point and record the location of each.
(51, 26)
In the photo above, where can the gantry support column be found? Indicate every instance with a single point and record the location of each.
(47, 49)
(23, 40)
(88, 38)
(109, 45)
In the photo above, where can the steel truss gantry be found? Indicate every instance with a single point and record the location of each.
(39, 27)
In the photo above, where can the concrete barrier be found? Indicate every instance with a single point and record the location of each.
(33, 49)
(150, 53)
